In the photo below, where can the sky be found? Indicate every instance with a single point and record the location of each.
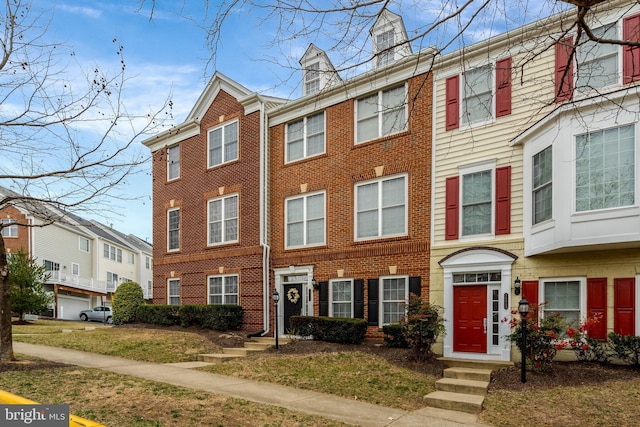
(166, 56)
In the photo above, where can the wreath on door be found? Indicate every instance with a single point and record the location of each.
(293, 295)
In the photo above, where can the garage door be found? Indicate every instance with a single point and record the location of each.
(70, 307)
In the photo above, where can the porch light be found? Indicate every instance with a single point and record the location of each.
(523, 309)
(314, 283)
(516, 285)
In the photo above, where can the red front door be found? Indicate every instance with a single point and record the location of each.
(469, 319)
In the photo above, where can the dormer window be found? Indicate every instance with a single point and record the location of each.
(385, 47)
(312, 78)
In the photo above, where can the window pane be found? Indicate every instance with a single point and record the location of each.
(295, 144)
(231, 142)
(476, 203)
(597, 62)
(215, 147)
(368, 118)
(393, 114)
(477, 102)
(542, 188)
(173, 160)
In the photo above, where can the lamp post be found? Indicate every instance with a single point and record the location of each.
(276, 297)
(523, 309)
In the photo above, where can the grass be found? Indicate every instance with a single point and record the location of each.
(119, 401)
(354, 375)
(614, 403)
(148, 345)
(349, 374)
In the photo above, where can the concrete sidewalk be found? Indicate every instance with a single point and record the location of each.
(346, 410)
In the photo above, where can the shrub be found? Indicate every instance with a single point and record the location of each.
(191, 315)
(585, 348)
(330, 329)
(126, 300)
(543, 340)
(394, 336)
(222, 317)
(422, 326)
(154, 314)
(626, 347)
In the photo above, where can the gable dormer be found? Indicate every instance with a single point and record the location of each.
(318, 72)
(389, 39)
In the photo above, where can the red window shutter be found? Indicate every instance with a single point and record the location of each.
(631, 54)
(452, 202)
(624, 296)
(564, 69)
(503, 87)
(453, 102)
(503, 200)
(597, 306)
(530, 291)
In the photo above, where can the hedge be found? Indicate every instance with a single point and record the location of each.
(219, 317)
(330, 329)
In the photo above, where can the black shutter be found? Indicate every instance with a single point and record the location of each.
(323, 299)
(374, 296)
(414, 285)
(358, 299)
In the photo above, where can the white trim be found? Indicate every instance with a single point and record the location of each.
(179, 229)
(222, 128)
(306, 294)
(476, 167)
(169, 179)
(331, 282)
(223, 294)
(380, 112)
(476, 261)
(223, 220)
(381, 280)
(305, 135)
(582, 303)
(379, 181)
(175, 279)
(304, 198)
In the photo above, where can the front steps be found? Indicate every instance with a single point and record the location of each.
(255, 344)
(464, 385)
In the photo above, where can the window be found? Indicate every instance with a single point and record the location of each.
(223, 220)
(173, 162)
(9, 228)
(605, 169)
(223, 289)
(51, 265)
(542, 194)
(385, 43)
(305, 220)
(173, 230)
(147, 262)
(476, 203)
(395, 294)
(312, 78)
(75, 269)
(83, 244)
(597, 63)
(381, 208)
(381, 114)
(477, 95)
(112, 253)
(131, 258)
(305, 138)
(563, 297)
(173, 291)
(223, 144)
(112, 280)
(485, 206)
(341, 298)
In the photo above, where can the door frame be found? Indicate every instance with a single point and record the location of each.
(307, 291)
(479, 260)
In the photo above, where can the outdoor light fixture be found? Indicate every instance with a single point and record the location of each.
(516, 284)
(276, 297)
(314, 283)
(523, 309)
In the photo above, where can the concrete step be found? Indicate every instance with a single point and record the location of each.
(469, 403)
(270, 340)
(217, 357)
(240, 351)
(493, 365)
(258, 345)
(455, 385)
(468, 374)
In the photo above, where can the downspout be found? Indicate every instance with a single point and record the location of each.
(266, 250)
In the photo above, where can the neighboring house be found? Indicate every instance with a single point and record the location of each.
(72, 249)
(549, 197)
(209, 204)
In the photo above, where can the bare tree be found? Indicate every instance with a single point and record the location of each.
(66, 136)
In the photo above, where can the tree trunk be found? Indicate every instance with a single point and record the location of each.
(6, 340)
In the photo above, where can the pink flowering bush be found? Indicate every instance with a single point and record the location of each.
(586, 348)
(421, 326)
